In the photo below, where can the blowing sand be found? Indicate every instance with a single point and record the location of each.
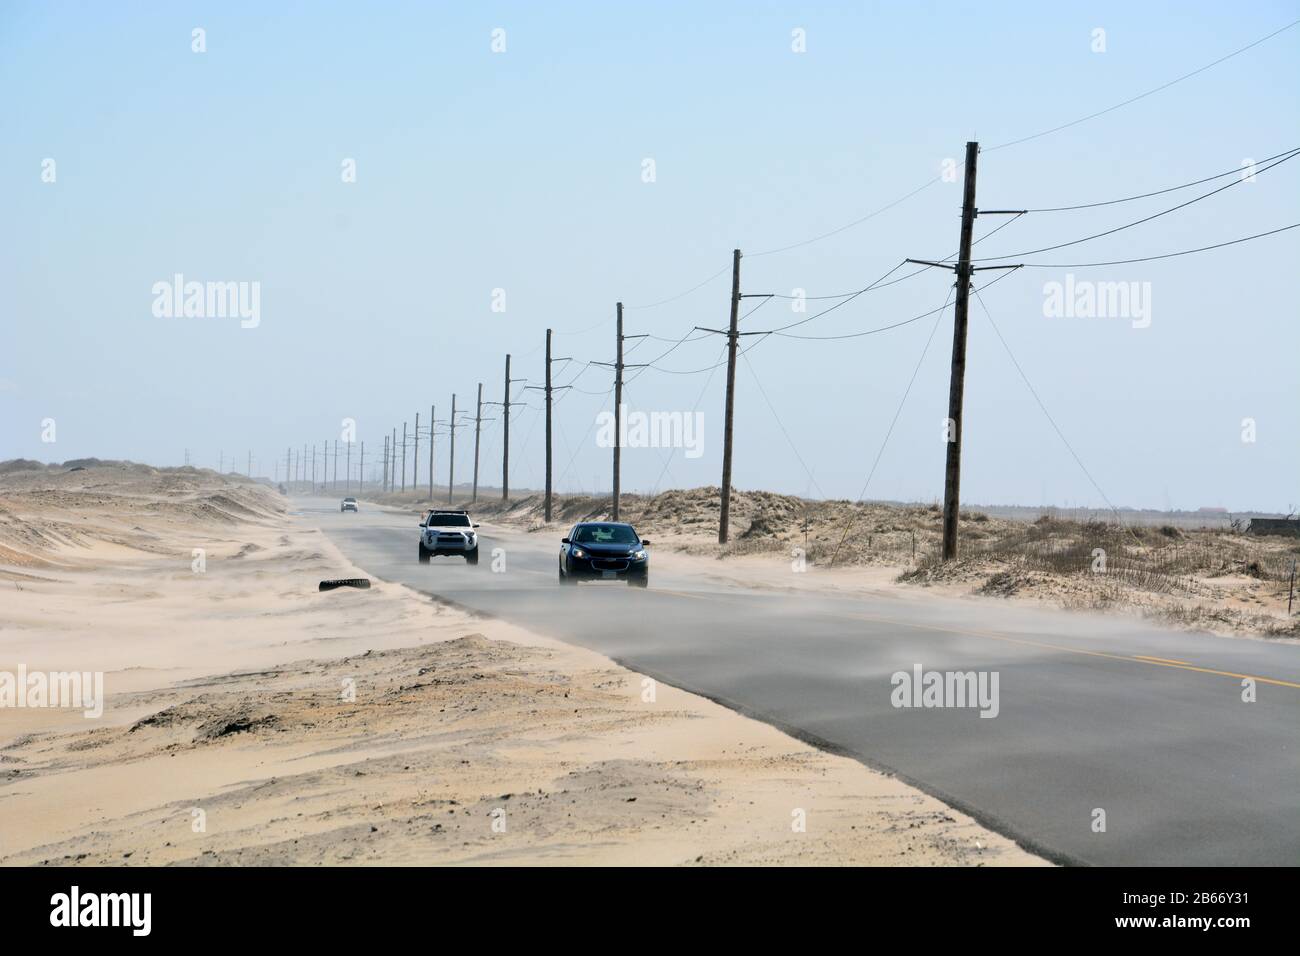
(251, 719)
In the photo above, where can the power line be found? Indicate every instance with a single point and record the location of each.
(780, 424)
(1137, 222)
(893, 422)
(1168, 255)
(847, 299)
(681, 295)
(1048, 415)
(856, 222)
(883, 328)
(1142, 96)
(1158, 192)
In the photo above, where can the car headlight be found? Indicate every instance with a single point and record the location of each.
(579, 553)
(639, 556)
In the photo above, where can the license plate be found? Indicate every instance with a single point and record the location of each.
(608, 575)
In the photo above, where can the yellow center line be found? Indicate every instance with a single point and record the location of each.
(1126, 658)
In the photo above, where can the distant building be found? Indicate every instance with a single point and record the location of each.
(1212, 510)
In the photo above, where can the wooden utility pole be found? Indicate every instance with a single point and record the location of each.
(547, 390)
(361, 469)
(403, 456)
(546, 510)
(415, 455)
(957, 383)
(961, 310)
(451, 455)
(347, 467)
(384, 471)
(288, 468)
(505, 451)
(250, 464)
(478, 425)
(505, 404)
(432, 420)
(618, 412)
(733, 336)
(619, 365)
(392, 472)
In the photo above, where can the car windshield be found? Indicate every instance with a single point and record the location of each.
(605, 534)
(350, 500)
(449, 521)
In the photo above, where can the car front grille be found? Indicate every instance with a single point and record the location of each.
(609, 564)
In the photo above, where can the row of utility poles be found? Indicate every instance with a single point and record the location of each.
(394, 475)
(221, 462)
(394, 468)
(300, 467)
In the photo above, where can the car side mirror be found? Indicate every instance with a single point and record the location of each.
(419, 526)
(645, 540)
(474, 526)
(565, 541)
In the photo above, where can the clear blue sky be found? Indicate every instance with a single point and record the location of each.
(522, 171)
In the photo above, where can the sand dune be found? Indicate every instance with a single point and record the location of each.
(252, 719)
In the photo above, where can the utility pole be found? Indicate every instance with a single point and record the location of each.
(478, 425)
(505, 448)
(957, 381)
(505, 404)
(250, 464)
(392, 472)
(724, 518)
(403, 456)
(361, 470)
(383, 474)
(336, 464)
(288, 468)
(415, 450)
(432, 420)
(548, 388)
(733, 335)
(618, 404)
(618, 410)
(451, 457)
(347, 468)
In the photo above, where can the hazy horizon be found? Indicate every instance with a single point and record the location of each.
(524, 171)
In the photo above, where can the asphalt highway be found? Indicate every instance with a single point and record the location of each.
(1146, 725)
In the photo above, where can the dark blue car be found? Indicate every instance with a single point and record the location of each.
(596, 550)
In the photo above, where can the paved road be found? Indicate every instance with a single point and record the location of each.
(1145, 724)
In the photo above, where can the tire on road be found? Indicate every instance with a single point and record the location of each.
(424, 554)
(471, 557)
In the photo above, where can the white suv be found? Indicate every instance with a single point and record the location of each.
(349, 504)
(448, 532)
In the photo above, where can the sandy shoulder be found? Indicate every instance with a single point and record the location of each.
(253, 719)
